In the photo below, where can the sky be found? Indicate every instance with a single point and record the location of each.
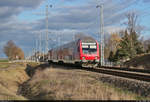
(23, 20)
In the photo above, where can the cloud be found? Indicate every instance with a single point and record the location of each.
(68, 0)
(10, 27)
(113, 29)
(9, 8)
(85, 18)
(64, 20)
(146, 1)
(20, 3)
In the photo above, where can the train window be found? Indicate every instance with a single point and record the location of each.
(93, 47)
(89, 50)
(78, 49)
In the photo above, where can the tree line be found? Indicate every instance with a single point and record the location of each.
(126, 44)
(12, 51)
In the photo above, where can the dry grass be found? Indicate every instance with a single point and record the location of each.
(33, 64)
(61, 84)
(4, 65)
(10, 78)
(6, 94)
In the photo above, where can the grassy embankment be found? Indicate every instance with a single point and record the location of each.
(142, 62)
(54, 83)
(11, 76)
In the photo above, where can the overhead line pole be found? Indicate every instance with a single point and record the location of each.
(46, 12)
(102, 62)
(40, 44)
(36, 48)
(46, 37)
(47, 27)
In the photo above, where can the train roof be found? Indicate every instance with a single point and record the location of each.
(88, 39)
(84, 39)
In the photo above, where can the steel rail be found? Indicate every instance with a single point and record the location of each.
(127, 69)
(125, 73)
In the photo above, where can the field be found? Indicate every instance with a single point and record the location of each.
(55, 83)
(3, 60)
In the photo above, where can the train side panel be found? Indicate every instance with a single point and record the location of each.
(69, 53)
(76, 52)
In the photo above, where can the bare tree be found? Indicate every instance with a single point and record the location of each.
(112, 43)
(132, 21)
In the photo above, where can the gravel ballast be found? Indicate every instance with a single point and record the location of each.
(139, 87)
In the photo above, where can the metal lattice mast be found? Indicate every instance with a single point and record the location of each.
(101, 34)
(40, 45)
(36, 47)
(46, 37)
(46, 29)
(102, 37)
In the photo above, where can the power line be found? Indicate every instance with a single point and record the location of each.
(46, 19)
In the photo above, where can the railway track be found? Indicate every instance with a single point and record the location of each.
(127, 69)
(137, 74)
(121, 73)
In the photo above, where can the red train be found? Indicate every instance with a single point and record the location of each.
(83, 50)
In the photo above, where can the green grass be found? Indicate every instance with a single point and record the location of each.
(5, 60)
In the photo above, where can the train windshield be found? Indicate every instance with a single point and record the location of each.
(89, 48)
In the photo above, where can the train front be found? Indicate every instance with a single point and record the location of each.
(89, 51)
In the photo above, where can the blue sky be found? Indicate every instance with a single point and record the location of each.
(19, 23)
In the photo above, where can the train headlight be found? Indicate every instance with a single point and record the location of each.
(83, 58)
(96, 57)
